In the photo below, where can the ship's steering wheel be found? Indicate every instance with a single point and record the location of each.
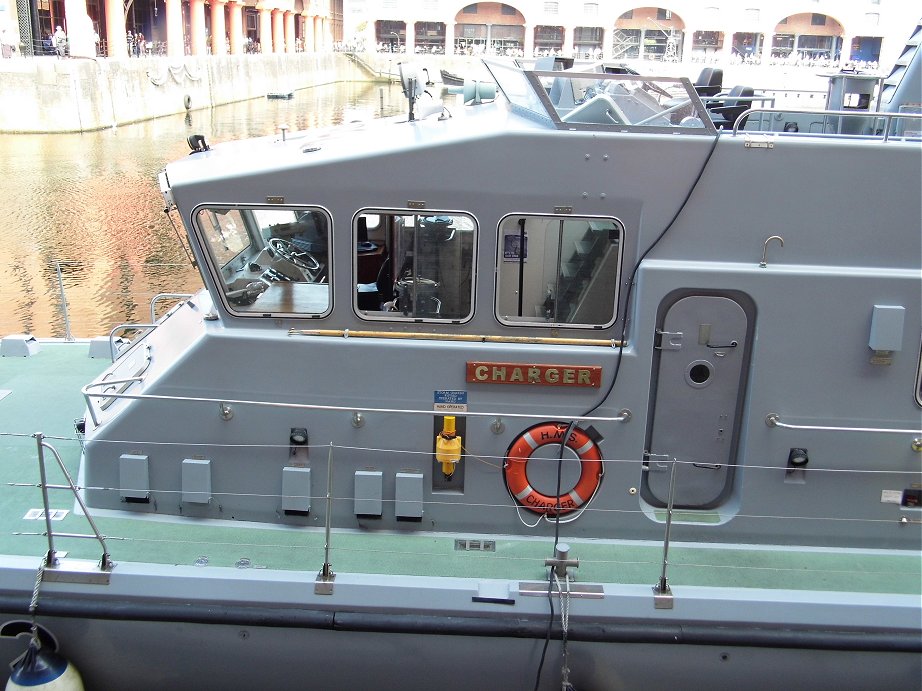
(289, 252)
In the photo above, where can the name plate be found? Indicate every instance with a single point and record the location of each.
(536, 375)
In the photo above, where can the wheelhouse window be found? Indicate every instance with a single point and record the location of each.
(414, 266)
(558, 270)
(268, 261)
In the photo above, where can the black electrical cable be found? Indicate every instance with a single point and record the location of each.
(630, 288)
(550, 573)
(611, 386)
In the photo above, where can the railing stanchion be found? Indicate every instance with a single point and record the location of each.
(662, 593)
(50, 559)
(324, 582)
(68, 336)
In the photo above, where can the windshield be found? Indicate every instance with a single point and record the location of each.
(594, 100)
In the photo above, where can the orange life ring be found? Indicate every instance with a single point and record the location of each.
(515, 473)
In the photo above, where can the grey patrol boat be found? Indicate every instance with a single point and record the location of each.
(554, 384)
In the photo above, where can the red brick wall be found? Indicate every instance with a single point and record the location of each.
(489, 13)
(801, 24)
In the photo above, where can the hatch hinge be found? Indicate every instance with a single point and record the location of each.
(668, 340)
(656, 462)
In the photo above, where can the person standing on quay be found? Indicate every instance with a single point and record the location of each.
(60, 42)
(6, 43)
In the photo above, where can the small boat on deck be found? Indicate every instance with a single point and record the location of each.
(622, 400)
(451, 79)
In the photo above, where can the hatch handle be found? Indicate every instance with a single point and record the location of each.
(731, 344)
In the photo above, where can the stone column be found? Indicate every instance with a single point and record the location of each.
(175, 43)
(197, 27)
(290, 45)
(318, 34)
(237, 42)
(79, 29)
(218, 31)
(265, 29)
(450, 38)
(688, 39)
(278, 32)
(726, 52)
(569, 40)
(845, 56)
(115, 29)
(766, 38)
(307, 32)
(528, 45)
(411, 37)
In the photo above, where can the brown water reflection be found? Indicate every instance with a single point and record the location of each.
(90, 202)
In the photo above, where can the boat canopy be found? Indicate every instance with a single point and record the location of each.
(597, 100)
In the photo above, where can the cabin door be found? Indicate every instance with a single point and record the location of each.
(698, 386)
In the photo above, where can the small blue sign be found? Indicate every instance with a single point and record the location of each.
(450, 397)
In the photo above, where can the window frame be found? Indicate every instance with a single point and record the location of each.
(399, 317)
(216, 271)
(499, 262)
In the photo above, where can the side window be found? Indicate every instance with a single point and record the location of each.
(226, 233)
(269, 261)
(414, 266)
(558, 270)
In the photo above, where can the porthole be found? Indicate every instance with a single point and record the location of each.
(698, 374)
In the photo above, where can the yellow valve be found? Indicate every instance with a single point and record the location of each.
(448, 447)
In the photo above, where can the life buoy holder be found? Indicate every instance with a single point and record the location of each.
(516, 474)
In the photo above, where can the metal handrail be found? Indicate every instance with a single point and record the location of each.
(105, 563)
(888, 117)
(165, 296)
(774, 420)
(624, 415)
(112, 350)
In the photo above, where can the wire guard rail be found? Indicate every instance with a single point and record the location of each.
(611, 562)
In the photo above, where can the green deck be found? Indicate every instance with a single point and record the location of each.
(45, 398)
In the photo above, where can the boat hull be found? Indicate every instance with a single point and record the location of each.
(242, 627)
(346, 650)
